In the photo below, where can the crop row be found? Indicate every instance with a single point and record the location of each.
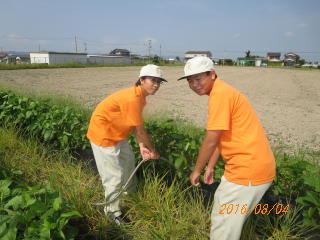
(32, 212)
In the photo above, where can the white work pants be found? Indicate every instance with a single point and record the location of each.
(227, 219)
(115, 165)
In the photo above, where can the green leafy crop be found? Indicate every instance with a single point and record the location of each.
(32, 212)
(60, 126)
(310, 200)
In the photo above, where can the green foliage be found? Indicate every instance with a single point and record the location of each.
(299, 180)
(32, 212)
(277, 227)
(77, 182)
(274, 64)
(310, 200)
(178, 148)
(162, 211)
(289, 178)
(226, 62)
(60, 126)
(65, 128)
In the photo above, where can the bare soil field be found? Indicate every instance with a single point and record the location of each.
(286, 101)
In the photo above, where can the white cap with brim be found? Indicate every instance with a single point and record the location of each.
(197, 65)
(151, 70)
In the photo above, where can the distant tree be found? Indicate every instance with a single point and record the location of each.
(177, 58)
(247, 54)
(156, 59)
(226, 61)
(297, 59)
(301, 61)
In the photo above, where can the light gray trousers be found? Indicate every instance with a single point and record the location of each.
(231, 206)
(115, 165)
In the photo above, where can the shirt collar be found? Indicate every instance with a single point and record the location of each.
(216, 82)
(138, 92)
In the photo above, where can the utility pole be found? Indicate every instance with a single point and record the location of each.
(39, 47)
(75, 41)
(160, 51)
(149, 48)
(223, 57)
(85, 47)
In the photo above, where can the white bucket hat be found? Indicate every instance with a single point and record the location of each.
(197, 65)
(151, 70)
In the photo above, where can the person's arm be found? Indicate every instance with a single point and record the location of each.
(147, 148)
(207, 149)
(209, 173)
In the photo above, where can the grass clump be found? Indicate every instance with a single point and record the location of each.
(277, 227)
(164, 211)
(76, 181)
(166, 207)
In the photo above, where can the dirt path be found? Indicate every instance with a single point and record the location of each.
(286, 101)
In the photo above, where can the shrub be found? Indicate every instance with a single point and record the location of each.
(62, 127)
(289, 178)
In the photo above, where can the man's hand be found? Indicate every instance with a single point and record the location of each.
(145, 153)
(208, 176)
(147, 148)
(194, 178)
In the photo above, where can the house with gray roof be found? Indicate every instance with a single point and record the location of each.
(273, 56)
(191, 54)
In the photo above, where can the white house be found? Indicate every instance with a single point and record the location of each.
(191, 54)
(58, 57)
(101, 59)
(273, 56)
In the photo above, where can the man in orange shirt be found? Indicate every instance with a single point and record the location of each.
(235, 132)
(110, 125)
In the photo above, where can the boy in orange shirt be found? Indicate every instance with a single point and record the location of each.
(110, 125)
(235, 132)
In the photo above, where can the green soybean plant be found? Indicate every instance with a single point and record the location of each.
(33, 212)
(311, 199)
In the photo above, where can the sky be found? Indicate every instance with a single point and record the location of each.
(167, 28)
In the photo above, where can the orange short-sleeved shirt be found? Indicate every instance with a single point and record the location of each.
(114, 117)
(243, 143)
